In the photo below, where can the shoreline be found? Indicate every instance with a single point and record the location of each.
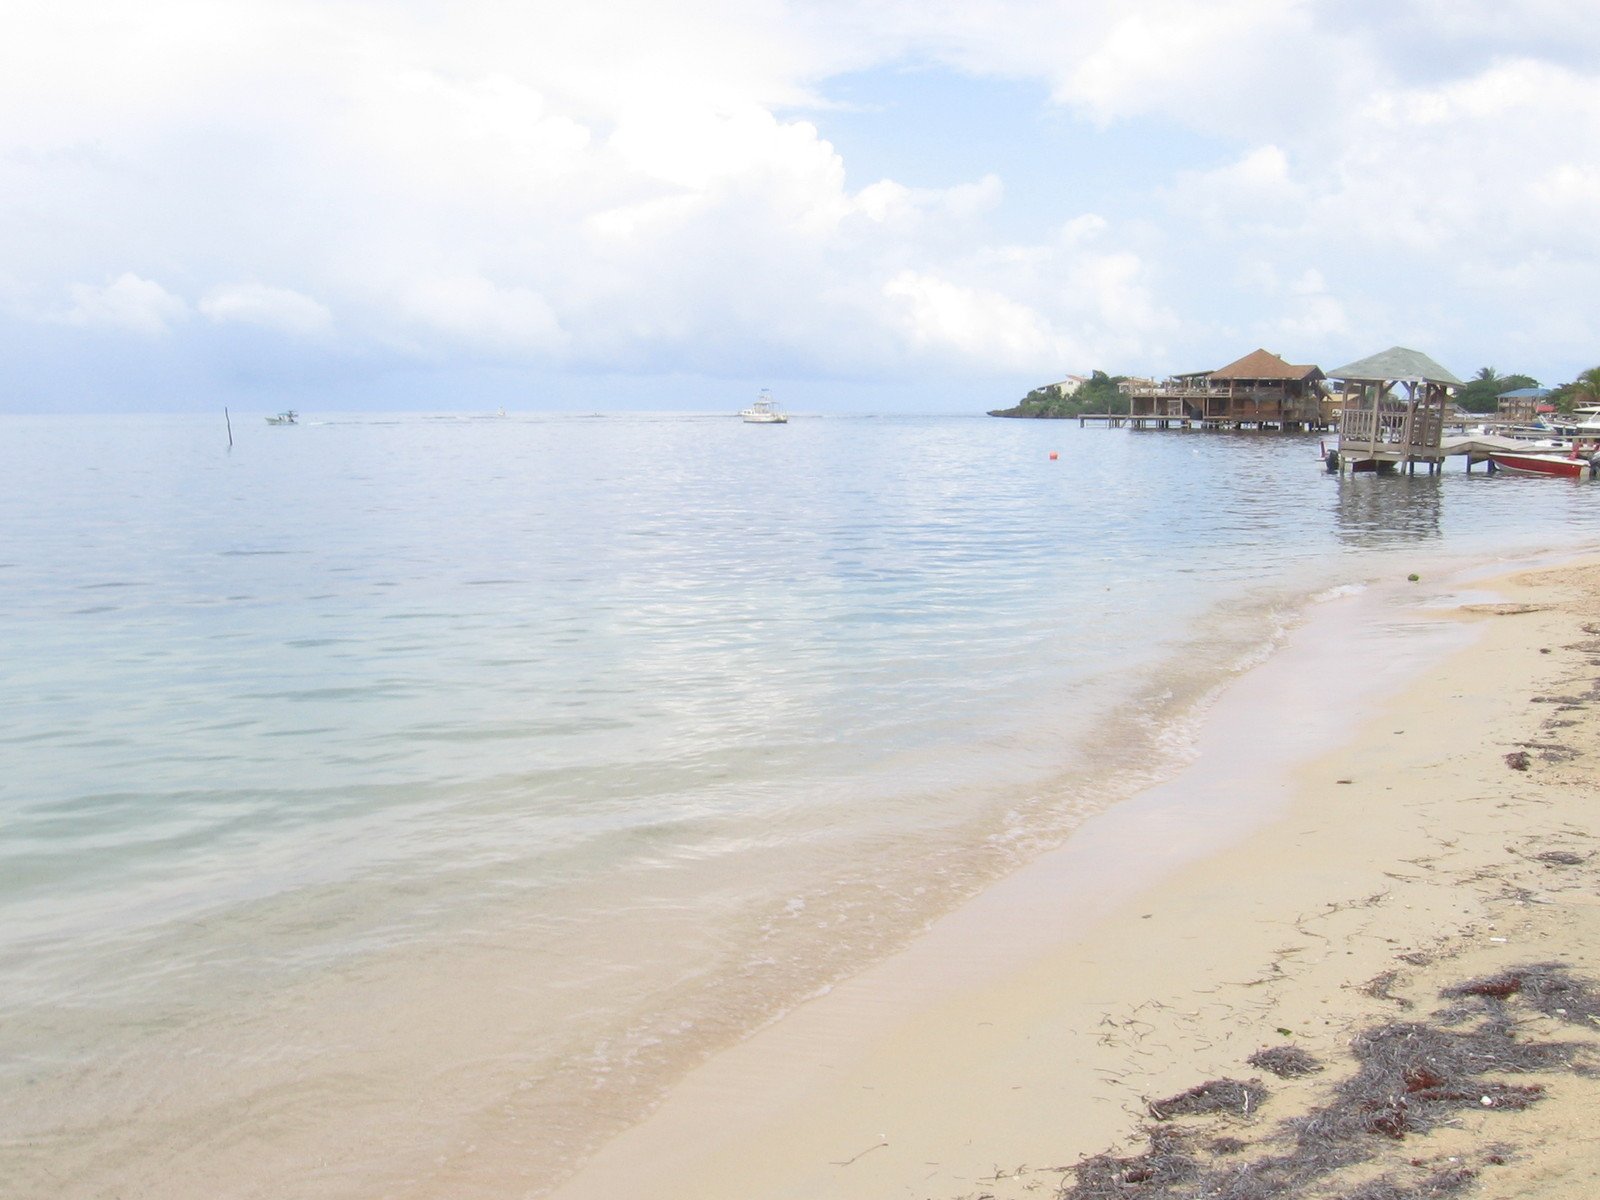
(1034, 1024)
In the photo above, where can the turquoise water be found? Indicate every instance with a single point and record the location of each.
(385, 787)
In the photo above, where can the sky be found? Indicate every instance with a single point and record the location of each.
(866, 205)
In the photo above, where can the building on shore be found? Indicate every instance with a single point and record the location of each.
(1522, 406)
(1393, 411)
(1259, 391)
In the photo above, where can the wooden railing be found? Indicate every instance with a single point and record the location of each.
(1387, 428)
(1358, 425)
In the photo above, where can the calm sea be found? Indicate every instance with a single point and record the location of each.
(383, 796)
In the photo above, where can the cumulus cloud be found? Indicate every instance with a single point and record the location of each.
(478, 312)
(970, 322)
(126, 302)
(277, 308)
(617, 186)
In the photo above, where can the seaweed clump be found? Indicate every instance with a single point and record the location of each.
(1216, 1096)
(1286, 1062)
(1411, 1076)
(1547, 988)
(1165, 1164)
(1448, 1182)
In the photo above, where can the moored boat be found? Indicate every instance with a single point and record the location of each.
(1563, 465)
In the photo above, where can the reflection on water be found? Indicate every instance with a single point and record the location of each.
(1377, 510)
(430, 791)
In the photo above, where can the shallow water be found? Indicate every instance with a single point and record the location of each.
(386, 791)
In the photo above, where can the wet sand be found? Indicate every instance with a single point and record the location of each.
(1350, 840)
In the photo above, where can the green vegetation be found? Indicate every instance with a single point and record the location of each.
(1478, 394)
(1097, 394)
(1585, 389)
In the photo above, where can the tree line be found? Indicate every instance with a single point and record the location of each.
(1098, 394)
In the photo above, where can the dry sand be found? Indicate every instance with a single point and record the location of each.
(1310, 877)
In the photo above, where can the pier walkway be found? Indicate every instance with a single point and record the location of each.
(1189, 421)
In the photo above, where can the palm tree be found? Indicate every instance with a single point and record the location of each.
(1588, 386)
(1478, 393)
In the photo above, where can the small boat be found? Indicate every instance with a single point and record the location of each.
(1565, 465)
(287, 417)
(1583, 421)
(764, 410)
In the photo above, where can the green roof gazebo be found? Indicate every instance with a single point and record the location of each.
(1394, 408)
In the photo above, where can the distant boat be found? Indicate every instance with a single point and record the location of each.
(764, 410)
(1563, 464)
(287, 417)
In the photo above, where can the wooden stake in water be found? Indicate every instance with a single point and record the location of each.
(229, 420)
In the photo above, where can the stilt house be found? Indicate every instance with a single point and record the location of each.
(1260, 390)
(1394, 410)
(1263, 390)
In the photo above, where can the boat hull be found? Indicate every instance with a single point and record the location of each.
(1561, 466)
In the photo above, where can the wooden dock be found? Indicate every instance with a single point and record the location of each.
(1478, 447)
(1189, 421)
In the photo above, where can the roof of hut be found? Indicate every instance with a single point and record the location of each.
(1398, 364)
(1260, 364)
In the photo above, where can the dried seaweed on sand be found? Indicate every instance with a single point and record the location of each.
(1410, 1077)
(1216, 1096)
(1286, 1062)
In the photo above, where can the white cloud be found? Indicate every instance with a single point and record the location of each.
(1308, 315)
(277, 308)
(478, 313)
(893, 204)
(1207, 64)
(1083, 229)
(621, 186)
(126, 302)
(971, 323)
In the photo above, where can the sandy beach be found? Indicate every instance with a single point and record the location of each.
(1374, 817)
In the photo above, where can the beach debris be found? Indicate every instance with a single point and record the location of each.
(1286, 1062)
(1450, 1181)
(1411, 1077)
(1413, 577)
(1560, 858)
(1378, 988)
(878, 1145)
(1153, 1173)
(1548, 988)
(1415, 1076)
(1503, 610)
(1518, 760)
(1217, 1095)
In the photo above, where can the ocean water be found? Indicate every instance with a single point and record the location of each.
(395, 806)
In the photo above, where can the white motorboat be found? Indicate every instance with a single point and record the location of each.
(764, 410)
(287, 417)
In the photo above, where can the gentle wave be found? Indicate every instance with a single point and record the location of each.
(448, 783)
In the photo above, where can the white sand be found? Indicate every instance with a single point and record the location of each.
(1351, 803)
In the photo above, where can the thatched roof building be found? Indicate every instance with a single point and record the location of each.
(1258, 391)
(1261, 366)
